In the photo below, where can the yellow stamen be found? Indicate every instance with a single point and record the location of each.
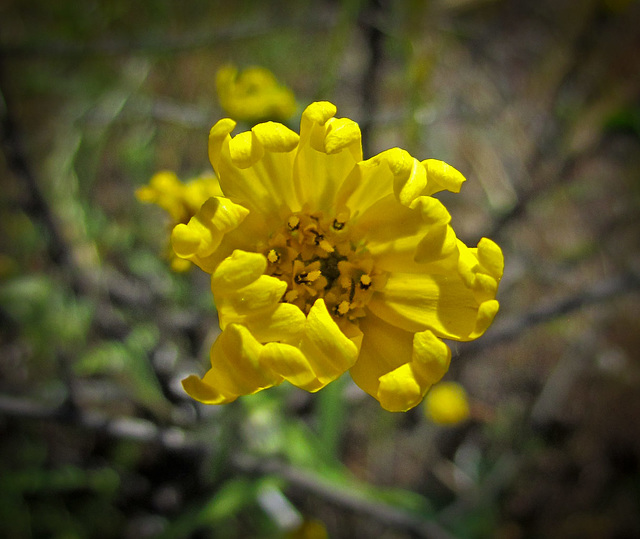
(326, 246)
(343, 307)
(273, 256)
(293, 222)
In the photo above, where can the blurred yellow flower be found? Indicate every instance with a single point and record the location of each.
(253, 95)
(322, 262)
(447, 404)
(309, 529)
(180, 200)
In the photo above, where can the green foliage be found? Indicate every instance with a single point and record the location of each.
(50, 317)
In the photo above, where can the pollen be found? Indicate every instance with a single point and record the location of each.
(293, 222)
(273, 256)
(365, 282)
(307, 277)
(326, 246)
(341, 220)
(343, 307)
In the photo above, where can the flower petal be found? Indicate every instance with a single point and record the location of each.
(405, 239)
(290, 363)
(397, 367)
(442, 303)
(201, 391)
(431, 357)
(238, 270)
(235, 369)
(244, 295)
(262, 294)
(255, 167)
(329, 351)
(384, 348)
(201, 236)
(329, 149)
(481, 268)
(283, 324)
(393, 171)
(490, 257)
(441, 176)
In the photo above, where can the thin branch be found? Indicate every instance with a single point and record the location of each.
(177, 439)
(164, 44)
(123, 428)
(552, 138)
(370, 20)
(36, 206)
(514, 326)
(342, 496)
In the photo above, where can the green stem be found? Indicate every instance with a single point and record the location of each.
(331, 413)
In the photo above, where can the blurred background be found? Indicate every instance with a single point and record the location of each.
(537, 103)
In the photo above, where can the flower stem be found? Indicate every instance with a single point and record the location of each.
(331, 415)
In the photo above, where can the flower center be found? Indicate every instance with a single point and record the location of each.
(317, 258)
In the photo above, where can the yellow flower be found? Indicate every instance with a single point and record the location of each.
(322, 263)
(253, 95)
(446, 404)
(180, 200)
(309, 529)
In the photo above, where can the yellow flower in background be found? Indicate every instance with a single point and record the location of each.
(253, 95)
(180, 200)
(323, 263)
(309, 529)
(446, 404)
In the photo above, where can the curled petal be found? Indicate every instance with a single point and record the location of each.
(244, 295)
(329, 351)
(290, 363)
(218, 135)
(255, 167)
(242, 365)
(491, 258)
(201, 236)
(481, 268)
(431, 357)
(283, 324)
(385, 347)
(397, 367)
(248, 299)
(262, 294)
(454, 305)
(393, 171)
(205, 393)
(328, 151)
(408, 188)
(342, 133)
(235, 369)
(406, 239)
(441, 176)
(238, 270)
(280, 323)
